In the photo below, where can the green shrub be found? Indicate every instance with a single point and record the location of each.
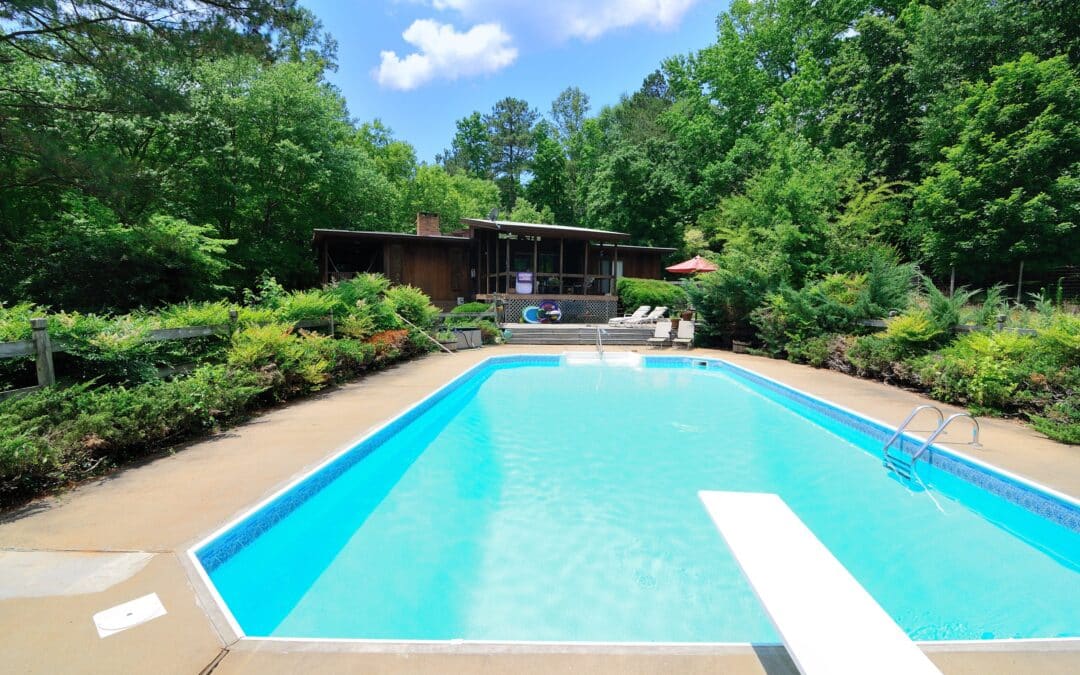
(814, 351)
(286, 362)
(58, 435)
(472, 308)
(634, 293)
(192, 314)
(414, 305)
(15, 320)
(725, 298)
(913, 331)
(351, 357)
(875, 356)
(945, 310)
(984, 370)
(363, 288)
(308, 305)
(1061, 337)
(1060, 421)
(838, 303)
(993, 305)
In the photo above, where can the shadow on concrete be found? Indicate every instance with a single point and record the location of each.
(775, 659)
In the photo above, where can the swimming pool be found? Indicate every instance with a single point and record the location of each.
(535, 500)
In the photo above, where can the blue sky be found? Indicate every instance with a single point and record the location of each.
(419, 65)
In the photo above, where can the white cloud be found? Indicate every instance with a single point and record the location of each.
(444, 53)
(585, 19)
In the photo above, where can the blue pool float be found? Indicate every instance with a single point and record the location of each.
(531, 314)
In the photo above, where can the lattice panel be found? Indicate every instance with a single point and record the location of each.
(585, 310)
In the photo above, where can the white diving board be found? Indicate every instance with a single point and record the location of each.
(829, 623)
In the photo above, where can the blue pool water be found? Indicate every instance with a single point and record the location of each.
(538, 501)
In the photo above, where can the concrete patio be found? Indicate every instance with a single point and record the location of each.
(164, 505)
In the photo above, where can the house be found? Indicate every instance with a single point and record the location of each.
(514, 264)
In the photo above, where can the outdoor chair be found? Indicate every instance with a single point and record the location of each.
(638, 314)
(685, 336)
(662, 334)
(652, 317)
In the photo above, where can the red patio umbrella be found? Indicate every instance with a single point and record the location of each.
(693, 266)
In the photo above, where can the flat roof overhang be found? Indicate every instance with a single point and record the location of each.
(320, 235)
(543, 230)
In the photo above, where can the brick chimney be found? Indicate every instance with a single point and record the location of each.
(427, 224)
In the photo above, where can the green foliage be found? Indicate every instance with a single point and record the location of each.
(525, 212)
(634, 293)
(286, 363)
(1005, 187)
(980, 369)
(412, 304)
(913, 331)
(510, 131)
(472, 308)
(1060, 422)
(875, 356)
(316, 304)
(89, 260)
(725, 298)
(946, 310)
(60, 435)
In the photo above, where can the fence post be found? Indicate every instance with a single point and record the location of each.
(46, 375)
(233, 317)
(331, 322)
(1000, 323)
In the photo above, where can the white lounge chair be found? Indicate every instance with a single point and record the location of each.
(652, 317)
(638, 314)
(686, 334)
(662, 334)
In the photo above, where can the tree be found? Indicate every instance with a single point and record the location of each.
(510, 128)
(470, 150)
(452, 196)
(872, 102)
(90, 261)
(550, 185)
(1006, 189)
(568, 113)
(525, 212)
(630, 193)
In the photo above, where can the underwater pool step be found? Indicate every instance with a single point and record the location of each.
(899, 463)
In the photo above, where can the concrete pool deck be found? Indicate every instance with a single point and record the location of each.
(164, 505)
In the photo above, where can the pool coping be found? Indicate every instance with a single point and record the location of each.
(226, 625)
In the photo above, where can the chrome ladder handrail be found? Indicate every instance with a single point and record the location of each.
(941, 428)
(907, 421)
(599, 343)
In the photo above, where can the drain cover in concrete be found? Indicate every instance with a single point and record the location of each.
(128, 615)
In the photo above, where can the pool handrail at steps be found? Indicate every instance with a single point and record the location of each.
(902, 466)
(941, 428)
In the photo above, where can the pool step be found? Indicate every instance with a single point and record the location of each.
(573, 335)
(899, 462)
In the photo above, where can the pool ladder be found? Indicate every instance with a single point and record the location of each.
(902, 464)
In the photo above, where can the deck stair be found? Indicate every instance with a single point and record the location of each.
(577, 334)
